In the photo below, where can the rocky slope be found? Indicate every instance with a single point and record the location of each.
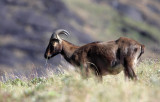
(26, 25)
(110, 19)
(25, 28)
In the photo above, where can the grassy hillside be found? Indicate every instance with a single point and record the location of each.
(70, 87)
(110, 19)
(27, 25)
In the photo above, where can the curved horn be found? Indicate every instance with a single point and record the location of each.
(60, 31)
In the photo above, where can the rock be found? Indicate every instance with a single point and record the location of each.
(153, 8)
(27, 26)
(128, 10)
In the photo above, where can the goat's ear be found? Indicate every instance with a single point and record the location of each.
(52, 36)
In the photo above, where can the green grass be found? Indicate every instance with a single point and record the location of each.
(70, 87)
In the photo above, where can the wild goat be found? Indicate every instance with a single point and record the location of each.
(101, 57)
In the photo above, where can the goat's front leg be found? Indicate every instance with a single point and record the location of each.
(96, 72)
(84, 71)
(89, 69)
(128, 69)
(99, 78)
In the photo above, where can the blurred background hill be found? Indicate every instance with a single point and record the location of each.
(26, 26)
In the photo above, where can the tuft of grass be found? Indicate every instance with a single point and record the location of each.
(71, 87)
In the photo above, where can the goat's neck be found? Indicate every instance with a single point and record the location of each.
(68, 49)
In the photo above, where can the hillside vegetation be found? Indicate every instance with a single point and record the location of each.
(68, 86)
(26, 27)
(110, 19)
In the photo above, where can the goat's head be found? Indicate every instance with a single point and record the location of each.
(55, 44)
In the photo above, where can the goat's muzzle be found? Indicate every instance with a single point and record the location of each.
(47, 55)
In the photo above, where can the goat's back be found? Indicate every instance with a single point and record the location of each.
(96, 52)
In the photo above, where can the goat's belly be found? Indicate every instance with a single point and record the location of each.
(112, 70)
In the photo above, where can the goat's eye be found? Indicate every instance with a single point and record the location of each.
(54, 44)
(135, 50)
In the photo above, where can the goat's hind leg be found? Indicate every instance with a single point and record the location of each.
(128, 69)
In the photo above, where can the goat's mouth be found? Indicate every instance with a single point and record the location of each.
(47, 56)
(50, 55)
